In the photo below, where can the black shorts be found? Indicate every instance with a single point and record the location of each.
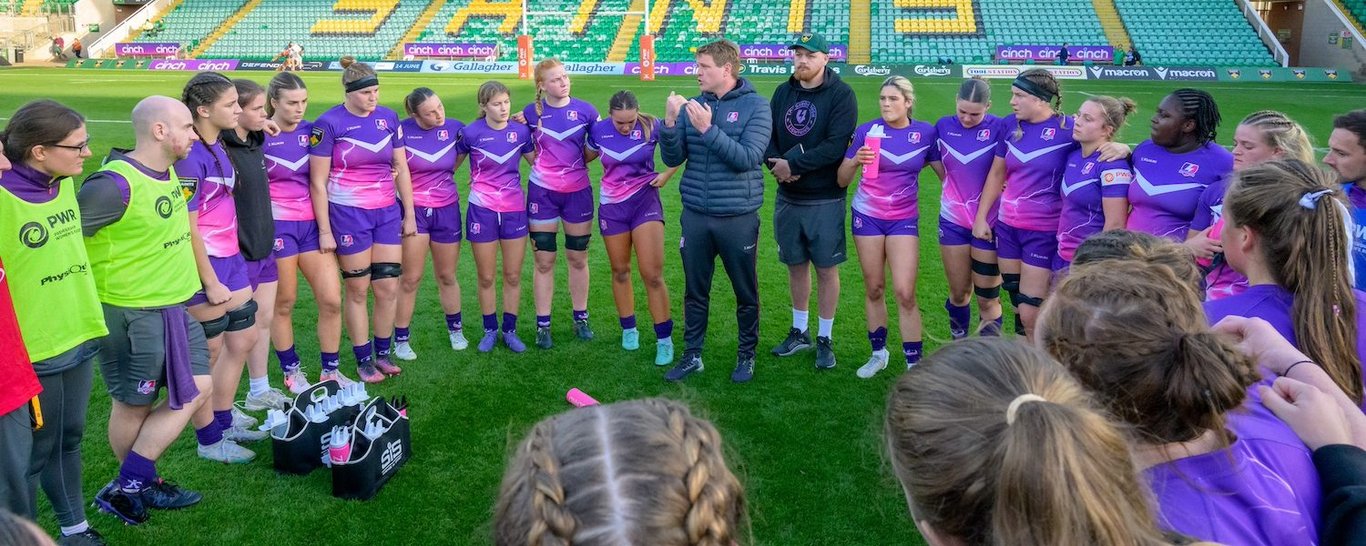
(133, 355)
(810, 232)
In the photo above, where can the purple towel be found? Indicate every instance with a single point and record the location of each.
(180, 387)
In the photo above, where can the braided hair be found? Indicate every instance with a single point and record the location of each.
(1199, 107)
(636, 472)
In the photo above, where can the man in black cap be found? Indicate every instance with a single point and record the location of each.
(814, 116)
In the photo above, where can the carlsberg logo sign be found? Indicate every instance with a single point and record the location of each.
(865, 70)
(922, 70)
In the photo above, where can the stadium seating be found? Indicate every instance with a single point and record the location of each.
(973, 37)
(1210, 32)
(1356, 9)
(901, 31)
(366, 29)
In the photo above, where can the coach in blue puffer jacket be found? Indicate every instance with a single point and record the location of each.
(721, 135)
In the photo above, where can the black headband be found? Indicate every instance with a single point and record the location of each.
(1028, 86)
(368, 81)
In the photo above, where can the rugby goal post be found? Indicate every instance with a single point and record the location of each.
(526, 47)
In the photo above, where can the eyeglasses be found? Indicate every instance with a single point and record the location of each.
(82, 147)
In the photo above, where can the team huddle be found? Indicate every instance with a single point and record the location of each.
(1166, 291)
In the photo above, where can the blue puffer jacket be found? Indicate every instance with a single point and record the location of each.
(725, 175)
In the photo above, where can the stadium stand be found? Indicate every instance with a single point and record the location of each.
(888, 31)
(1211, 32)
(1356, 9)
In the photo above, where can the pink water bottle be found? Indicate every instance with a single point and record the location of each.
(873, 140)
(1214, 233)
(579, 398)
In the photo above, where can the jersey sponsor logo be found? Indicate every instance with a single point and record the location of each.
(1188, 170)
(147, 387)
(75, 269)
(315, 137)
(33, 235)
(163, 206)
(183, 238)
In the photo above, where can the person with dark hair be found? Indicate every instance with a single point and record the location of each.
(632, 218)
(1134, 334)
(296, 236)
(137, 227)
(1347, 156)
(48, 144)
(967, 142)
(818, 112)
(255, 234)
(1122, 244)
(223, 305)
(721, 134)
(1064, 55)
(361, 188)
(430, 140)
(1173, 168)
(1286, 231)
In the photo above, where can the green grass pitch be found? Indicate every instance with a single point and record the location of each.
(807, 445)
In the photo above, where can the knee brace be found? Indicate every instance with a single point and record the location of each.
(987, 293)
(985, 269)
(355, 273)
(385, 270)
(1030, 301)
(242, 317)
(544, 241)
(215, 327)
(1011, 285)
(576, 242)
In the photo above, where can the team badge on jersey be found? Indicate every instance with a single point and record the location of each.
(573, 116)
(188, 186)
(1049, 133)
(512, 136)
(984, 135)
(315, 137)
(303, 141)
(279, 244)
(733, 117)
(475, 228)
(347, 240)
(443, 135)
(635, 134)
(1086, 169)
(1188, 170)
(915, 137)
(382, 124)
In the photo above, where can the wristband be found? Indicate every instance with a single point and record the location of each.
(1292, 366)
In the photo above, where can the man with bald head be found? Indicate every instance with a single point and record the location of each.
(137, 233)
